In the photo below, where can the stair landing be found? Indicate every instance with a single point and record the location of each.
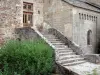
(84, 68)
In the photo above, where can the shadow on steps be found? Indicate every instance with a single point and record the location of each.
(26, 33)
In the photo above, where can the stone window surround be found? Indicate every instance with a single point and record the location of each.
(87, 17)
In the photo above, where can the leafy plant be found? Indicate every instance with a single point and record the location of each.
(94, 72)
(26, 58)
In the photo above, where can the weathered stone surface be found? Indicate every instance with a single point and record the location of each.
(10, 13)
(10, 17)
(55, 14)
(58, 15)
(95, 1)
(26, 34)
(73, 22)
(94, 58)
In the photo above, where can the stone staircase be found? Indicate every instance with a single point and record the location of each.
(64, 55)
(67, 58)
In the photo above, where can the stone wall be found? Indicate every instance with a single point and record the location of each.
(10, 17)
(67, 20)
(58, 15)
(10, 13)
(83, 21)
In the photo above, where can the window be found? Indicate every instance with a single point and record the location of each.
(30, 18)
(85, 16)
(38, 12)
(89, 37)
(79, 15)
(24, 18)
(24, 6)
(94, 18)
(30, 7)
(89, 17)
(27, 6)
(27, 19)
(27, 14)
(82, 16)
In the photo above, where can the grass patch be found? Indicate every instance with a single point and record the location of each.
(26, 58)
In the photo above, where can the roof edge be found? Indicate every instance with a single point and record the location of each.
(84, 7)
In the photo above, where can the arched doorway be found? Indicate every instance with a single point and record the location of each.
(89, 37)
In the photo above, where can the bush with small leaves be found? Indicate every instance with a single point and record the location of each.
(26, 58)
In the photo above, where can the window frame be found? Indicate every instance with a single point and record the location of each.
(27, 6)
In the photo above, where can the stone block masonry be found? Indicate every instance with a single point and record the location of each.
(10, 17)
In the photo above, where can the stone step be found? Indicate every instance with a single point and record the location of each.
(69, 56)
(54, 39)
(68, 53)
(57, 43)
(66, 56)
(61, 48)
(45, 33)
(50, 36)
(63, 51)
(74, 63)
(71, 60)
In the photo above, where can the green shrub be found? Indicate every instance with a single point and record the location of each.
(26, 58)
(94, 72)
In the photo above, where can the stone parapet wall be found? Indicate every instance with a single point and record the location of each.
(94, 58)
(26, 33)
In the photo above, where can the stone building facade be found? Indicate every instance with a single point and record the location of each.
(13, 15)
(75, 19)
